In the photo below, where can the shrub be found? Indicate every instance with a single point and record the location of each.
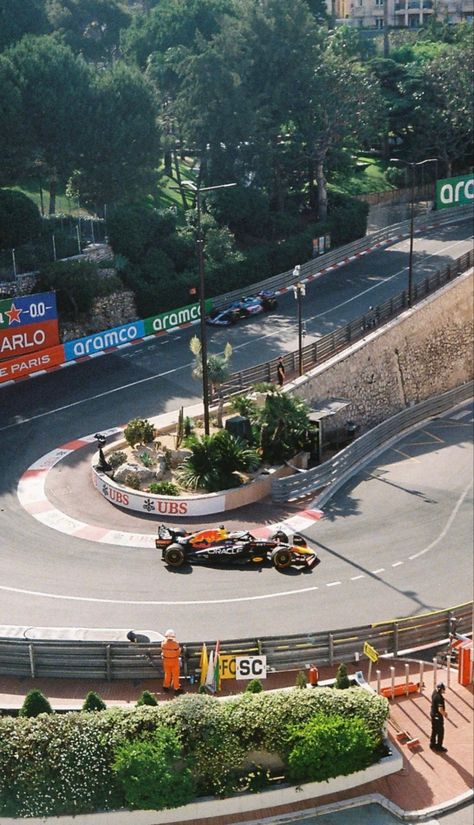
(62, 764)
(139, 431)
(131, 480)
(254, 686)
(93, 702)
(342, 679)
(34, 704)
(20, 220)
(75, 284)
(329, 746)
(153, 773)
(146, 698)
(116, 459)
(301, 680)
(146, 460)
(216, 461)
(164, 488)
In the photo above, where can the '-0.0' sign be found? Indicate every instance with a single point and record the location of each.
(28, 323)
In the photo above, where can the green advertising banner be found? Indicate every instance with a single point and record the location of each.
(454, 191)
(166, 321)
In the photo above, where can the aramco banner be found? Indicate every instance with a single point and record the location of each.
(28, 323)
(166, 321)
(454, 191)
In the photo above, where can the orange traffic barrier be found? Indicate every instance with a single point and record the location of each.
(400, 690)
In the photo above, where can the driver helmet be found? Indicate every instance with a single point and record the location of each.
(170, 634)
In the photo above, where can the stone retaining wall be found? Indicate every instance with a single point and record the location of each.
(424, 352)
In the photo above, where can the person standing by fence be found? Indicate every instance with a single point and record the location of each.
(438, 715)
(170, 653)
(280, 371)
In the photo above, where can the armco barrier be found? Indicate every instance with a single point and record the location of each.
(328, 345)
(319, 266)
(129, 334)
(118, 660)
(337, 469)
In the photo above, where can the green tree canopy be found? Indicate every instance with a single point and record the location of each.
(56, 97)
(90, 27)
(19, 17)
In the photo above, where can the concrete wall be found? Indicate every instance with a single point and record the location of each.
(425, 351)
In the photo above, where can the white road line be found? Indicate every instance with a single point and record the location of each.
(376, 286)
(462, 414)
(332, 584)
(397, 563)
(158, 603)
(380, 570)
(98, 395)
(446, 527)
(356, 578)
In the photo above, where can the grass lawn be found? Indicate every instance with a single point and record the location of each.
(168, 195)
(64, 205)
(369, 177)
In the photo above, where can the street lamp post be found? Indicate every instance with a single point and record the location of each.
(413, 166)
(202, 295)
(299, 291)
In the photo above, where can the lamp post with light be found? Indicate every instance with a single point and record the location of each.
(202, 297)
(299, 291)
(412, 165)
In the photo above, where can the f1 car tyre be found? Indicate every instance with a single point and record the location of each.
(281, 558)
(299, 541)
(174, 555)
(280, 535)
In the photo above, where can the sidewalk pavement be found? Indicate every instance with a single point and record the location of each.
(429, 782)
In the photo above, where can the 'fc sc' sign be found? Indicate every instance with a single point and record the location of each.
(250, 667)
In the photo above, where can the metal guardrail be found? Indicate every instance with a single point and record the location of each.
(118, 660)
(318, 266)
(328, 345)
(340, 466)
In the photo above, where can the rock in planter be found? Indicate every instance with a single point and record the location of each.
(176, 457)
(144, 474)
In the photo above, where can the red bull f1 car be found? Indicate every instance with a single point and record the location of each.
(218, 545)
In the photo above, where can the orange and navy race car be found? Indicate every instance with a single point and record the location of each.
(217, 545)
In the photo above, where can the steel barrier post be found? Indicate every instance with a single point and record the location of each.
(395, 639)
(422, 666)
(377, 673)
(407, 678)
(448, 670)
(331, 649)
(392, 680)
(31, 653)
(435, 671)
(108, 663)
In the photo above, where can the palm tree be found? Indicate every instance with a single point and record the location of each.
(218, 368)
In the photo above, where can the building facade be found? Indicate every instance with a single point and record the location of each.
(369, 14)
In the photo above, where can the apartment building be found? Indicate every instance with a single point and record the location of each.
(369, 14)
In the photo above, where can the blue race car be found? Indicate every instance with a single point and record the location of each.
(264, 301)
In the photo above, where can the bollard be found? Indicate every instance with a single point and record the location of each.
(392, 679)
(448, 670)
(407, 678)
(435, 672)
(377, 673)
(422, 667)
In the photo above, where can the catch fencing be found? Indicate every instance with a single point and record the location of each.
(328, 345)
(118, 660)
(338, 468)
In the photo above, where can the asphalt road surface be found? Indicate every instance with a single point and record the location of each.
(394, 542)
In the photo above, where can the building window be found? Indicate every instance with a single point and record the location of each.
(379, 2)
(379, 24)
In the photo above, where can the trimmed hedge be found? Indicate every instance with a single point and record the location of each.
(63, 764)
